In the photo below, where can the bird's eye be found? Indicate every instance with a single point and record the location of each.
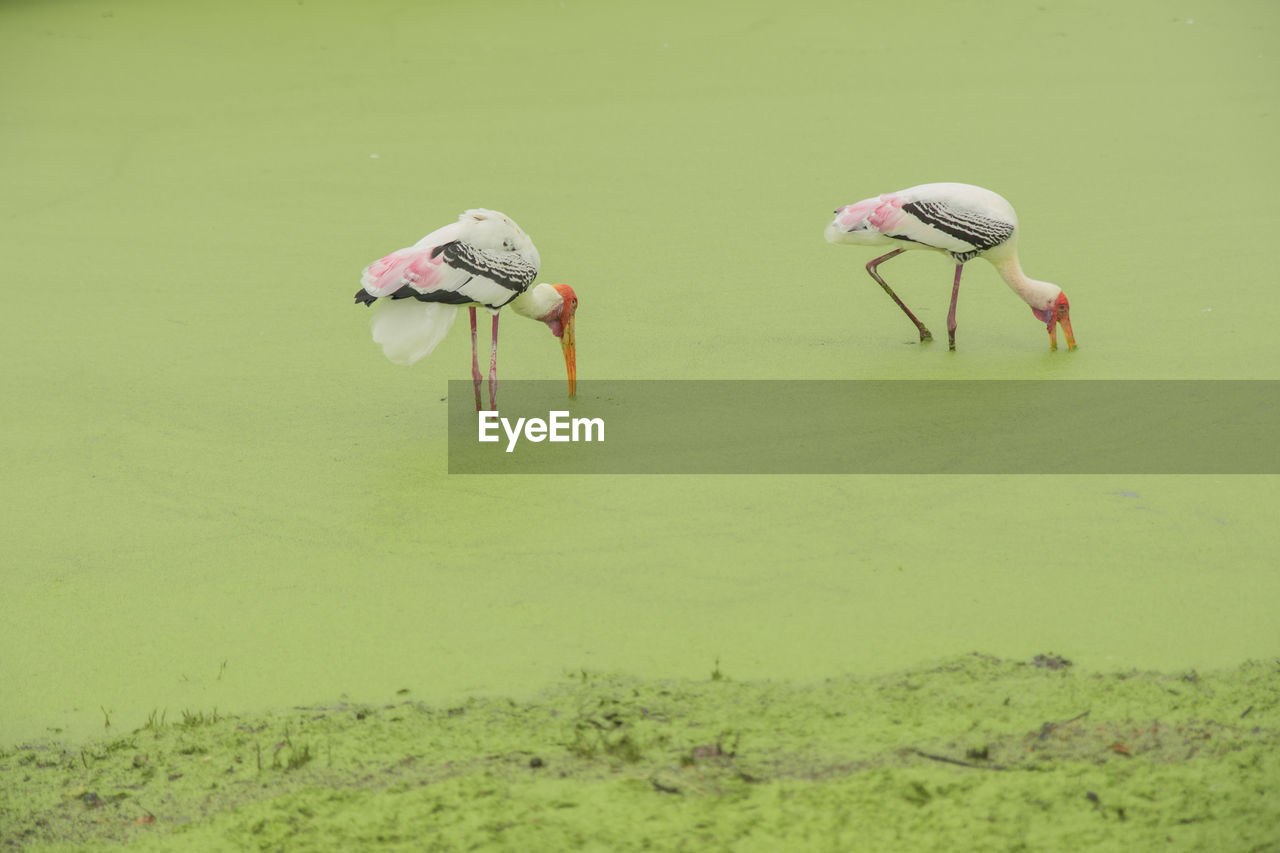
(508, 245)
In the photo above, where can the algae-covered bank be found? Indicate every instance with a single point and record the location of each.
(972, 753)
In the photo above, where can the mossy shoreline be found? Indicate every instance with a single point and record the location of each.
(970, 753)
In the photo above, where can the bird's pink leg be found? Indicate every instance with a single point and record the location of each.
(871, 268)
(493, 368)
(475, 360)
(951, 315)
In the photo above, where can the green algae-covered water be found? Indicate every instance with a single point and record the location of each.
(220, 498)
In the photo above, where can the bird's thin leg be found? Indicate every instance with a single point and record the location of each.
(475, 360)
(493, 368)
(871, 268)
(951, 315)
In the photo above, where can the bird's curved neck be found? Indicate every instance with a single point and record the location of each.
(1038, 294)
(537, 302)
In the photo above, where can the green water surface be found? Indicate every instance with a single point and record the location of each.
(218, 493)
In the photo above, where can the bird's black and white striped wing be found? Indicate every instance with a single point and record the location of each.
(510, 271)
(452, 272)
(963, 232)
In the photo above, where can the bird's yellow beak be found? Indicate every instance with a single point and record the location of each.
(570, 355)
(1061, 317)
(1065, 322)
(560, 321)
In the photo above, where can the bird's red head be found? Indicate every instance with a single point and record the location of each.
(1058, 313)
(561, 324)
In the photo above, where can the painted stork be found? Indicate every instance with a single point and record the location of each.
(484, 260)
(963, 221)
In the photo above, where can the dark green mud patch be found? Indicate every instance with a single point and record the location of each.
(975, 753)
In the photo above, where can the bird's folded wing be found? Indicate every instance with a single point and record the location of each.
(506, 269)
(454, 272)
(958, 229)
(414, 267)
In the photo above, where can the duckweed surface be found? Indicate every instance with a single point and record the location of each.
(220, 499)
(974, 753)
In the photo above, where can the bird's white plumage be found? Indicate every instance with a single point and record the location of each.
(962, 220)
(965, 197)
(409, 329)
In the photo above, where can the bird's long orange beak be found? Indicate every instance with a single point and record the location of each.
(1065, 322)
(1061, 317)
(562, 326)
(571, 355)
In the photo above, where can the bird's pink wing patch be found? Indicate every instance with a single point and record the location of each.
(878, 213)
(886, 214)
(851, 216)
(414, 267)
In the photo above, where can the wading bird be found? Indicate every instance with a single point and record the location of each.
(484, 261)
(963, 221)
